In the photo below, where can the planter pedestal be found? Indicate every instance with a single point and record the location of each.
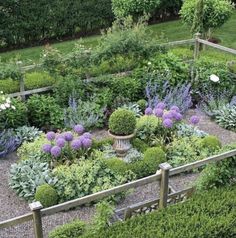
(122, 144)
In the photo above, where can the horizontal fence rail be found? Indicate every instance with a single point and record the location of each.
(29, 92)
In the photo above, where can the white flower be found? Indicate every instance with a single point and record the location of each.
(1, 92)
(8, 100)
(7, 105)
(214, 78)
(2, 106)
(13, 107)
(149, 63)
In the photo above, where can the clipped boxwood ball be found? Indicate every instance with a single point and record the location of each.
(142, 103)
(122, 122)
(211, 142)
(46, 195)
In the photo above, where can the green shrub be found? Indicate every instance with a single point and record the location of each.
(32, 149)
(38, 80)
(27, 175)
(46, 195)
(44, 112)
(212, 143)
(142, 103)
(139, 145)
(220, 173)
(13, 118)
(117, 165)
(9, 86)
(122, 122)
(99, 143)
(207, 215)
(74, 229)
(84, 178)
(147, 127)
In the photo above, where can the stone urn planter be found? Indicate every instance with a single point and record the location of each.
(121, 143)
(122, 123)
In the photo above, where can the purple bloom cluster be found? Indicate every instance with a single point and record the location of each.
(167, 123)
(148, 111)
(59, 141)
(194, 120)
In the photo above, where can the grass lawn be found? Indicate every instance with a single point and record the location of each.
(173, 30)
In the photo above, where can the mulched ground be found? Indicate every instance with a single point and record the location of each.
(12, 206)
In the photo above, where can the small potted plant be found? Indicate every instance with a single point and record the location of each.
(122, 124)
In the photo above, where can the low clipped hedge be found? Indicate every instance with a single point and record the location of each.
(206, 215)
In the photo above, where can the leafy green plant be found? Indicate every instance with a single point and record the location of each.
(46, 195)
(226, 117)
(122, 122)
(44, 112)
(142, 103)
(28, 134)
(211, 143)
(87, 177)
(9, 85)
(215, 14)
(185, 130)
(73, 229)
(139, 145)
(14, 117)
(27, 175)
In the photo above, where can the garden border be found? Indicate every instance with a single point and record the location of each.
(161, 175)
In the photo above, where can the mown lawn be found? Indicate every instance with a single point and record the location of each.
(173, 30)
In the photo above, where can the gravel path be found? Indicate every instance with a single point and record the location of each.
(12, 206)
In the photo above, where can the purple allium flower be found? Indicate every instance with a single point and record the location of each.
(68, 136)
(175, 108)
(51, 135)
(167, 115)
(178, 116)
(86, 143)
(79, 129)
(60, 142)
(59, 136)
(148, 111)
(76, 144)
(87, 135)
(167, 123)
(161, 105)
(46, 148)
(158, 112)
(56, 151)
(194, 120)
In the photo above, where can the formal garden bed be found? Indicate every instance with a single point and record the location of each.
(114, 114)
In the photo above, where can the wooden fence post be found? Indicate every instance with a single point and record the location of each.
(36, 207)
(196, 46)
(164, 190)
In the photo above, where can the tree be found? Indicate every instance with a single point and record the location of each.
(206, 15)
(135, 8)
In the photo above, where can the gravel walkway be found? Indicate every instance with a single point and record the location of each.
(12, 206)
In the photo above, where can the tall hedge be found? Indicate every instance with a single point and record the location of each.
(24, 22)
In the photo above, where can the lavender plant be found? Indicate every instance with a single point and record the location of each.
(179, 96)
(9, 142)
(89, 114)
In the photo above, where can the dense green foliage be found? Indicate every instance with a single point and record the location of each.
(46, 195)
(122, 122)
(207, 215)
(73, 229)
(215, 14)
(22, 24)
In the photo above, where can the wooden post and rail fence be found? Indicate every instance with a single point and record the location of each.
(165, 198)
(197, 41)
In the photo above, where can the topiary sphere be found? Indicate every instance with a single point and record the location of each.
(122, 122)
(46, 195)
(211, 142)
(142, 103)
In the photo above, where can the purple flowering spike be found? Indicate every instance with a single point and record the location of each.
(79, 129)
(178, 117)
(175, 108)
(194, 120)
(60, 142)
(167, 123)
(158, 112)
(86, 143)
(51, 135)
(148, 111)
(46, 148)
(68, 136)
(87, 135)
(76, 144)
(161, 105)
(56, 151)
